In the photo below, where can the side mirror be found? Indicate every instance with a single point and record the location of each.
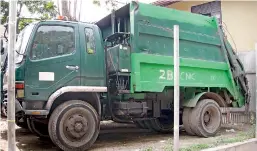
(2, 47)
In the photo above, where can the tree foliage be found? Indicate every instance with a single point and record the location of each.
(44, 10)
(109, 4)
(5, 11)
(64, 7)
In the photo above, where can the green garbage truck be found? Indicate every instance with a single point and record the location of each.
(71, 75)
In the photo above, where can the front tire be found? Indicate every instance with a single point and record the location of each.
(74, 125)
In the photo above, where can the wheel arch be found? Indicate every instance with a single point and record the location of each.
(83, 93)
(205, 95)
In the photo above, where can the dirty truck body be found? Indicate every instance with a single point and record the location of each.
(73, 74)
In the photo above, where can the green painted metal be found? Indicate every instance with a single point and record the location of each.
(91, 66)
(154, 72)
(37, 90)
(203, 60)
(19, 72)
(193, 101)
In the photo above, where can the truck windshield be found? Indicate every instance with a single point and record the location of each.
(22, 41)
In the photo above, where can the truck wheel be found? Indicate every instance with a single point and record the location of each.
(165, 123)
(186, 121)
(206, 118)
(161, 126)
(74, 125)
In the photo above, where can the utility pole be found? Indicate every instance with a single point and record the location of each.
(256, 90)
(176, 88)
(11, 75)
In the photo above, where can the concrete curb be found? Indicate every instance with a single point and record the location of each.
(248, 145)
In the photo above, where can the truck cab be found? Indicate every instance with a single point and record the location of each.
(51, 55)
(59, 54)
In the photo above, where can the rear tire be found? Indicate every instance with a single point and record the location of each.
(161, 127)
(74, 125)
(206, 118)
(165, 123)
(186, 120)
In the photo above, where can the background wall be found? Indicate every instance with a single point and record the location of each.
(240, 18)
(186, 5)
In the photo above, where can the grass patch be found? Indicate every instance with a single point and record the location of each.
(241, 136)
(169, 145)
(196, 147)
(148, 149)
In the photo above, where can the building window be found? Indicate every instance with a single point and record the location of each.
(209, 9)
(52, 41)
(90, 40)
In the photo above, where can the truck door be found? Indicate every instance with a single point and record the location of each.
(53, 60)
(92, 56)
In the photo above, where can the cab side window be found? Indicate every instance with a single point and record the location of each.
(90, 41)
(52, 41)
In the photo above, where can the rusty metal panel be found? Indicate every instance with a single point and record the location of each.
(235, 116)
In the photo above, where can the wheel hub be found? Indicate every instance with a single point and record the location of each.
(207, 117)
(76, 126)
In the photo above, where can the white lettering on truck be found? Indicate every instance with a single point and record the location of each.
(168, 75)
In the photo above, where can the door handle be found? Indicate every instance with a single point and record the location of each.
(72, 67)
